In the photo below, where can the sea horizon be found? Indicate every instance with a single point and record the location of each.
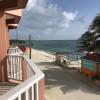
(53, 45)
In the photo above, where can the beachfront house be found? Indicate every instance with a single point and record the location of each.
(90, 65)
(20, 78)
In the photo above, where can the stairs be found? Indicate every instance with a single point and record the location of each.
(6, 86)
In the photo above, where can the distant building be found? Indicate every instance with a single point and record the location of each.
(90, 64)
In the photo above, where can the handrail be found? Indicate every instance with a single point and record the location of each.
(12, 55)
(15, 53)
(35, 68)
(23, 87)
(14, 47)
(14, 50)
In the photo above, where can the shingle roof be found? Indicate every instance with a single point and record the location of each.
(22, 47)
(92, 57)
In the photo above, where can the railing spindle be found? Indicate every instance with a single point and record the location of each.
(11, 67)
(36, 91)
(19, 97)
(8, 66)
(32, 89)
(20, 68)
(14, 64)
(26, 95)
(17, 69)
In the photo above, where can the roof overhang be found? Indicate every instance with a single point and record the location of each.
(15, 12)
(92, 57)
(13, 16)
(12, 4)
(12, 26)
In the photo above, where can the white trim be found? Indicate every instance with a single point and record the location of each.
(37, 92)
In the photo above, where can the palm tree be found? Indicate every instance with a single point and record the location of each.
(95, 26)
(88, 41)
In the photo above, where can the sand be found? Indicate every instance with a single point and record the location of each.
(61, 83)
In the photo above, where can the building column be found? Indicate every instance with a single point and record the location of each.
(3, 48)
(41, 89)
(7, 34)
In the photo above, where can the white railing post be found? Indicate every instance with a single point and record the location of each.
(14, 66)
(32, 89)
(19, 97)
(26, 95)
(8, 66)
(36, 91)
(11, 67)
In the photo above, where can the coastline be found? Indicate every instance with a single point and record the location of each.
(40, 54)
(61, 83)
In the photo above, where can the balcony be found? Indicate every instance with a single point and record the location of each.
(28, 78)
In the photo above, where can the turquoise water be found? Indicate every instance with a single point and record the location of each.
(65, 47)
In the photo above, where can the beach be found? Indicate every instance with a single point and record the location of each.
(61, 83)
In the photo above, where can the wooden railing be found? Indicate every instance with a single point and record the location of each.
(14, 51)
(14, 66)
(23, 69)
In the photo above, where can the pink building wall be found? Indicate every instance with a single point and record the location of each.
(3, 47)
(41, 89)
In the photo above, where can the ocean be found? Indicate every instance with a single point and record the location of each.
(65, 47)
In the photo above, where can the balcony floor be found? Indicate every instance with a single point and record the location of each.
(6, 86)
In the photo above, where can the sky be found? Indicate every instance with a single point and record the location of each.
(56, 19)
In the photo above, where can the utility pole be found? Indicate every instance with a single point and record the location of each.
(17, 36)
(30, 45)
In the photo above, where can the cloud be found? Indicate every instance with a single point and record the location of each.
(48, 14)
(66, 18)
(70, 15)
(82, 19)
(31, 4)
(42, 19)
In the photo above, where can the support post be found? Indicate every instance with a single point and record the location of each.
(3, 48)
(24, 70)
(30, 45)
(17, 35)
